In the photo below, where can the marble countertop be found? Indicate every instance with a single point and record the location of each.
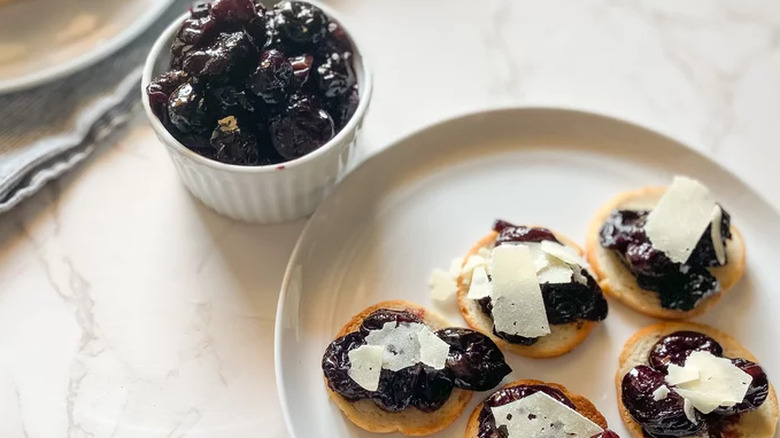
(127, 309)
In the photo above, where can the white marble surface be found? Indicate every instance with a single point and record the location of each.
(129, 310)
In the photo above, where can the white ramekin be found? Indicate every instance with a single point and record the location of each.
(262, 194)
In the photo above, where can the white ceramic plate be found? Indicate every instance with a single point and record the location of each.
(427, 199)
(42, 40)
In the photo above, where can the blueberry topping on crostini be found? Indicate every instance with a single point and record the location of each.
(662, 413)
(676, 347)
(680, 286)
(487, 423)
(564, 302)
(473, 363)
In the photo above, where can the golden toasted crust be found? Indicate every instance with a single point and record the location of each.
(760, 423)
(562, 339)
(618, 282)
(582, 405)
(411, 421)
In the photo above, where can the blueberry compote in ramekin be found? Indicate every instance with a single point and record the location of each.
(254, 86)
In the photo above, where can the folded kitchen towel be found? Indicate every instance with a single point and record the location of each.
(46, 131)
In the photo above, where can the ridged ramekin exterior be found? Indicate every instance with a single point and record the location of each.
(282, 196)
(265, 194)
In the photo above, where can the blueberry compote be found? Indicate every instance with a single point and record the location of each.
(487, 423)
(680, 286)
(666, 417)
(564, 302)
(254, 86)
(474, 363)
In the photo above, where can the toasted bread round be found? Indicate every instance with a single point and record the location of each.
(618, 282)
(411, 421)
(582, 405)
(563, 337)
(760, 423)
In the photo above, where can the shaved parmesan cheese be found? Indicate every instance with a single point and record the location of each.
(682, 215)
(402, 345)
(517, 270)
(690, 413)
(540, 258)
(563, 253)
(433, 351)
(365, 365)
(661, 393)
(480, 284)
(718, 382)
(472, 262)
(555, 272)
(443, 285)
(518, 306)
(577, 276)
(406, 345)
(555, 263)
(541, 416)
(717, 240)
(677, 375)
(455, 267)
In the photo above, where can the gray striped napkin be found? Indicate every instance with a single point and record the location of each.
(46, 131)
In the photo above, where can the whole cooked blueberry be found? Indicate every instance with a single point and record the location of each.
(433, 388)
(643, 259)
(573, 301)
(658, 417)
(234, 143)
(336, 40)
(335, 366)
(396, 390)
(196, 142)
(300, 22)
(335, 75)
(230, 55)
(271, 79)
(676, 347)
(377, 319)
(167, 82)
(757, 391)
(474, 360)
(187, 109)
(513, 393)
(343, 107)
(301, 66)
(682, 289)
(200, 9)
(258, 27)
(516, 233)
(623, 227)
(241, 11)
(229, 100)
(193, 33)
(161, 88)
(272, 36)
(301, 129)
(268, 155)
